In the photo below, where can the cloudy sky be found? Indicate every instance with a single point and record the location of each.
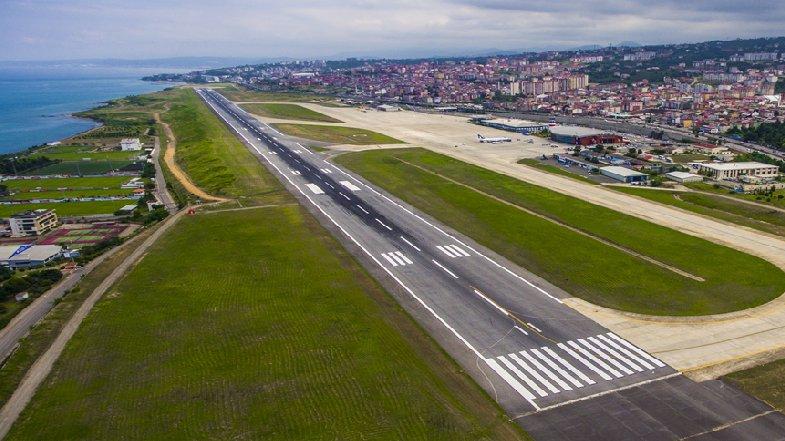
(73, 29)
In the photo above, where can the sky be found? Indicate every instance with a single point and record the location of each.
(138, 29)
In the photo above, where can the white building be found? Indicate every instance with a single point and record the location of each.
(683, 177)
(27, 256)
(624, 174)
(130, 145)
(33, 223)
(733, 170)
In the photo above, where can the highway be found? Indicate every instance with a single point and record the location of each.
(538, 358)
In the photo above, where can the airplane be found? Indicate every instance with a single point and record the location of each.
(492, 140)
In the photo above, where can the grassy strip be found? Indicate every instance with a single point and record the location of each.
(288, 339)
(336, 134)
(765, 382)
(68, 194)
(42, 335)
(69, 208)
(70, 183)
(287, 111)
(93, 156)
(761, 218)
(213, 157)
(581, 265)
(238, 93)
(80, 168)
(555, 170)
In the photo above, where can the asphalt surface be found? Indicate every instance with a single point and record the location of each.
(160, 180)
(508, 328)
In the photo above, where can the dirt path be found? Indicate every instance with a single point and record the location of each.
(561, 224)
(43, 366)
(171, 146)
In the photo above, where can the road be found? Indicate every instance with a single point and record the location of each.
(160, 179)
(536, 356)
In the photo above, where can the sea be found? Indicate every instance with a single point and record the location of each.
(37, 102)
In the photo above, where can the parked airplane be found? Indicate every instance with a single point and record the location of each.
(492, 140)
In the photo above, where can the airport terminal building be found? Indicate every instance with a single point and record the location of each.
(513, 125)
(576, 135)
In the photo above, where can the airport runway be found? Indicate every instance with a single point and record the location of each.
(537, 357)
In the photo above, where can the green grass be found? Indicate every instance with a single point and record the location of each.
(335, 134)
(761, 218)
(684, 158)
(67, 194)
(288, 339)
(69, 208)
(79, 168)
(287, 111)
(765, 382)
(213, 157)
(555, 170)
(70, 183)
(82, 153)
(238, 93)
(579, 264)
(774, 200)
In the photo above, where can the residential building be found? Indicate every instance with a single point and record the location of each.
(33, 222)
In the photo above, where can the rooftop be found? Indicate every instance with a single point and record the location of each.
(736, 165)
(513, 122)
(622, 171)
(575, 131)
(30, 214)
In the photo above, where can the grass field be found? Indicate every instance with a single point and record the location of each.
(555, 170)
(213, 157)
(765, 382)
(774, 200)
(80, 153)
(79, 168)
(578, 263)
(287, 111)
(336, 134)
(68, 208)
(237, 93)
(101, 182)
(684, 158)
(288, 339)
(768, 220)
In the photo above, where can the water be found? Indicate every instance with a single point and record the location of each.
(36, 102)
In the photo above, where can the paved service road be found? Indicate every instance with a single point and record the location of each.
(506, 327)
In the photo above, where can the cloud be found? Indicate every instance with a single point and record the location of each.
(35, 29)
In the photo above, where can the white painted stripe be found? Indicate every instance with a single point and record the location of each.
(410, 244)
(545, 370)
(613, 353)
(587, 350)
(382, 223)
(641, 352)
(363, 209)
(495, 305)
(510, 380)
(533, 372)
(403, 256)
(568, 365)
(557, 368)
(389, 259)
(585, 362)
(349, 185)
(445, 269)
(397, 258)
(521, 329)
(315, 188)
(326, 170)
(446, 251)
(624, 351)
(344, 196)
(459, 250)
(534, 327)
(523, 377)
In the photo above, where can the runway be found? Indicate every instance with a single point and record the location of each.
(507, 328)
